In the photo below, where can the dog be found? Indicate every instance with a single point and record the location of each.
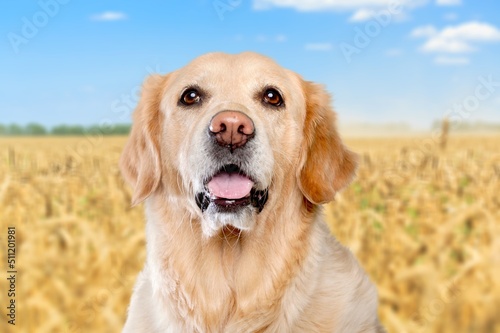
(232, 156)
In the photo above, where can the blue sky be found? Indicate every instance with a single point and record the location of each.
(414, 61)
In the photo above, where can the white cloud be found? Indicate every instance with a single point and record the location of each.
(448, 2)
(457, 39)
(444, 45)
(109, 16)
(318, 47)
(366, 14)
(312, 5)
(424, 31)
(316, 5)
(362, 10)
(361, 15)
(473, 31)
(454, 61)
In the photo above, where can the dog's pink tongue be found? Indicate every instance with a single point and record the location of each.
(230, 186)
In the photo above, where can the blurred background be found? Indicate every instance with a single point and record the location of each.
(416, 85)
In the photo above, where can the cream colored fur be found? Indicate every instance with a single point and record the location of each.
(284, 272)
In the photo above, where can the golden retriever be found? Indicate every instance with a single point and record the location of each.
(233, 156)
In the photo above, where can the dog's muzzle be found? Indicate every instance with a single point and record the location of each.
(257, 199)
(230, 188)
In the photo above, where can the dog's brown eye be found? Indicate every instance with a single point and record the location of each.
(190, 97)
(273, 97)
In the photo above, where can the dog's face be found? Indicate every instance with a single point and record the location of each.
(221, 135)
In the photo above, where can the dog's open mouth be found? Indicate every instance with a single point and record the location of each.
(230, 185)
(229, 189)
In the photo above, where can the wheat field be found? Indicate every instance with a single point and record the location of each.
(424, 221)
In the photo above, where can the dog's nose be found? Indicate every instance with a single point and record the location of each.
(232, 129)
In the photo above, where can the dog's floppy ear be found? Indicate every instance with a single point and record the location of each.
(326, 164)
(140, 160)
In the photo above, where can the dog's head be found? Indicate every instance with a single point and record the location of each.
(228, 133)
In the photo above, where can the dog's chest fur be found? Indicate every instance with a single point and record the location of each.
(294, 281)
(229, 282)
